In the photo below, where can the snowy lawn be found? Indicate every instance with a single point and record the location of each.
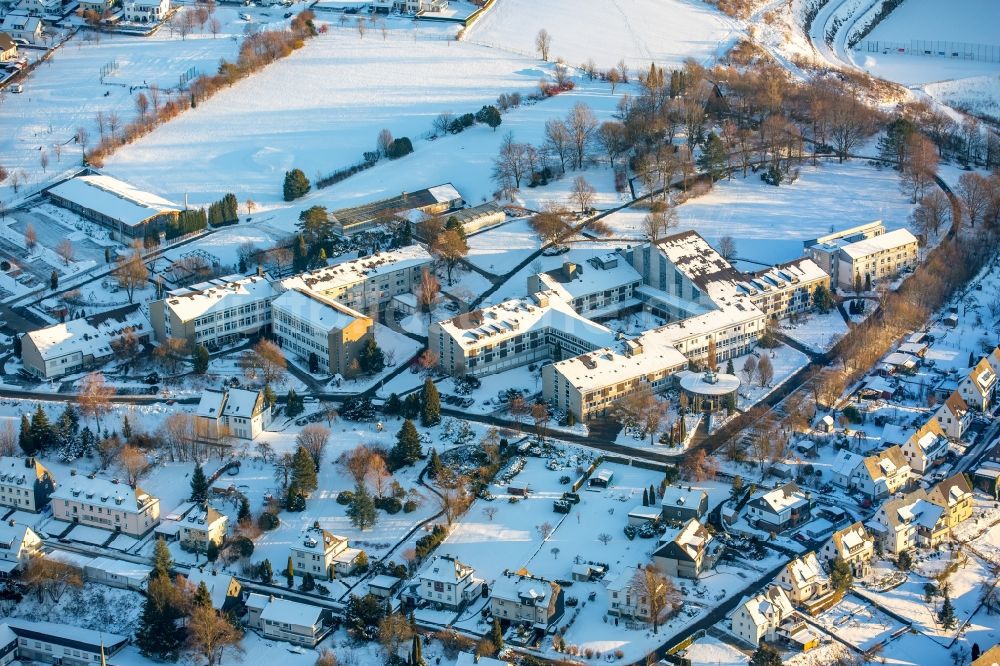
(816, 331)
(769, 223)
(858, 622)
(710, 651)
(66, 92)
(640, 31)
(499, 249)
(786, 362)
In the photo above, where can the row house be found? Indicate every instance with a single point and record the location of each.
(108, 505)
(25, 484)
(853, 545)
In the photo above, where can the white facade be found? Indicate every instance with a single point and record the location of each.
(954, 416)
(979, 385)
(448, 582)
(319, 551)
(804, 579)
(876, 258)
(759, 617)
(882, 474)
(18, 544)
(25, 484)
(146, 11)
(285, 620)
(853, 545)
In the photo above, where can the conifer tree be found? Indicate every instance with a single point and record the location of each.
(946, 616)
(158, 634)
(430, 402)
(201, 596)
(244, 512)
(199, 485)
(434, 466)
(645, 497)
(407, 450)
(41, 429)
(361, 510)
(303, 471)
(290, 572)
(126, 426)
(652, 495)
(25, 441)
(266, 572)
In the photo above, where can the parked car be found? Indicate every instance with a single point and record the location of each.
(17, 88)
(468, 402)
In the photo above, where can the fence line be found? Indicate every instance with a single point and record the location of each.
(937, 49)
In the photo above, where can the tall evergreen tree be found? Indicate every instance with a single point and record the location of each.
(244, 513)
(946, 616)
(371, 359)
(416, 656)
(126, 426)
(199, 359)
(496, 634)
(434, 465)
(199, 485)
(407, 450)
(162, 560)
(159, 635)
(266, 572)
(290, 572)
(304, 471)
(296, 184)
(41, 429)
(430, 404)
(714, 158)
(202, 596)
(25, 441)
(361, 510)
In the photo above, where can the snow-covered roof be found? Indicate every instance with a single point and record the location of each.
(20, 471)
(875, 244)
(620, 362)
(285, 611)
(446, 569)
(708, 383)
(96, 491)
(121, 568)
(469, 659)
(687, 542)
(849, 538)
(351, 272)
(445, 193)
(211, 403)
(783, 497)
(804, 570)
(13, 536)
(217, 584)
(521, 316)
(572, 280)
(900, 359)
(384, 582)
(228, 402)
(781, 276)
(324, 314)
(680, 496)
(319, 541)
(64, 634)
(525, 590)
(701, 263)
(90, 336)
(113, 198)
(982, 376)
(886, 463)
(219, 294)
(769, 606)
(846, 462)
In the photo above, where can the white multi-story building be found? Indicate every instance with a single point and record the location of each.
(603, 287)
(778, 509)
(313, 327)
(517, 598)
(954, 415)
(105, 504)
(146, 11)
(367, 284)
(448, 582)
(979, 385)
(883, 473)
(216, 312)
(324, 555)
(25, 484)
(804, 579)
(759, 617)
(925, 447)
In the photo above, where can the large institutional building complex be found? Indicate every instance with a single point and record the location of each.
(681, 279)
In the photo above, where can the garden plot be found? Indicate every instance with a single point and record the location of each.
(710, 651)
(66, 93)
(769, 223)
(786, 362)
(501, 248)
(857, 622)
(639, 31)
(818, 332)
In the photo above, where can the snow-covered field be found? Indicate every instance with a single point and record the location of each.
(66, 92)
(640, 31)
(978, 95)
(769, 223)
(816, 331)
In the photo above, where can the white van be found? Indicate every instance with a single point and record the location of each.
(17, 88)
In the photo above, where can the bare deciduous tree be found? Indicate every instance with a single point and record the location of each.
(95, 397)
(765, 371)
(314, 439)
(727, 248)
(30, 237)
(65, 251)
(583, 194)
(133, 463)
(130, 273)
(428, 293)
(543, 44)
(209, 634)
(265, 362)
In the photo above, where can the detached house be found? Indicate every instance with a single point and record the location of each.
(8, 49)
(324, 554)
(683, 553)
(238, 413)
(526, 599)
(223, 589)
(804, 579)
(284, 620)
(682, 504)
(18, 544)
(979, 385)
(926, 447)
(448, 582)
(25, 484)
(779, 509)
(759, 617)
(954, 495)
(954, 416)
(628, 595)
(909, 522)
(844, 466)
(882, 474)
(854, 546)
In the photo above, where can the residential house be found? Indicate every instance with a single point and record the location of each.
(804, 579)
(25, 484)
(977, 388)
(215, 313)
(629, 595)
(758, 617)
(18, 544)
(854, 546)
(681, 503)
(989, 658)
(926, 447)
(146, 11)
(324, 555)
(954, 416)
(321, 332)
(8, 49)
(954, 495)
(384, 586)
(106, 504)
(223, 589)
(908, 522)
(18, 24)
(201, 526)
(448, 582)
(77, 345)
(684, 553)
(42, 7)
(845, 464)
(526, 599)
(285, 620)
(33, 641)
(882, 474)
(469, 659)
(779, 509)
(238, 413)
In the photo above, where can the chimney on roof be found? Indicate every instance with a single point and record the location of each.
(570, 270)
(12, 522)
